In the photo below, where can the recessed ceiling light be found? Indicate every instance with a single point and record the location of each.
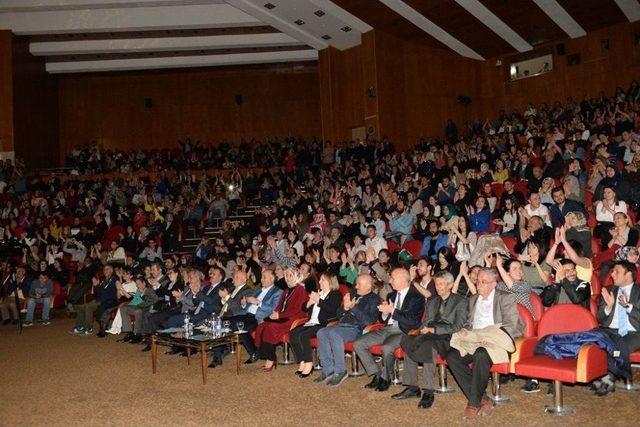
(319, 13)
(270, 6)
(326, 37)
(299, 22)
(346, 29)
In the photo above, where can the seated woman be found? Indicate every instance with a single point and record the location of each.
(622, 234)
(605, 210)
(577, 230)
(479, 215)
(323, 306)
(288, 309)
(446, 261)
(508, 218)
(512, 281)
(462, 239)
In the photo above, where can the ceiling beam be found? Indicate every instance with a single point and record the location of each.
(181, 62)
(420, 21)
(132, 19)
(258, 11)
(562, 19)
(52, 5)
(80, 47)
(341, 14)
(489, 19)
(630, 8)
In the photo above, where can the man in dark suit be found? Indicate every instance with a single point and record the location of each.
(446, 313)
(488, 307)
(619, 311)
(562, 207)
(107, 296)
(401, 313)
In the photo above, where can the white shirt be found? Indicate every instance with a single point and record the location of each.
(253, 308)
(397, 304)
(614, 320)
(540, 211)
(377, 243)
(483, 315)
(315, 312)
(604, 215)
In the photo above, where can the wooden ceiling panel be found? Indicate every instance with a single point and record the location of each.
(380, 17)
(594, 14)
(462, 25)
(527, 19)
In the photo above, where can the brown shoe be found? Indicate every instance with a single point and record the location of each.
(470, 414)
(486, 407)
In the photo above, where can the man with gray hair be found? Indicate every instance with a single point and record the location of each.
(401, 312)
(488, 307)
(445, 314)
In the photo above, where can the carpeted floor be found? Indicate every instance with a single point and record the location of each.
(49, 377)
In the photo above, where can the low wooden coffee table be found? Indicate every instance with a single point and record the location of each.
(199, 342)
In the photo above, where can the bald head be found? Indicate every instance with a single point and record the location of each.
(364, 284)
(400, 279)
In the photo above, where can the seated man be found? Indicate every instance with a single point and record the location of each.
(433, 242)
(106, 294)
(567, 289)
(401, 312)
(41, 291)
(82, 298)
(140, 303)
(260, 305)
(619, 311)
(193, 300)
(488, 307)
(359, 309)
(445, 314)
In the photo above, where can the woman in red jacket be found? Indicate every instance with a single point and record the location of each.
(289, 308)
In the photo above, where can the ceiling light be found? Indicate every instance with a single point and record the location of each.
(346, 29)
(326, 37)
(270, 6)
(299, 22)
(319, 13)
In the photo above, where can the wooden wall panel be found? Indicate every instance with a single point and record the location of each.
(6, 91)
(35, 108)
(200, 104)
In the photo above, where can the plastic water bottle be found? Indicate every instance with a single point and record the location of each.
(187, 322)
(218, 328)
(214, 322)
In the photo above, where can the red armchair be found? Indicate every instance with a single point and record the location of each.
(286, 340)
(590, 364)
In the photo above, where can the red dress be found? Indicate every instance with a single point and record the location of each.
(290, 308)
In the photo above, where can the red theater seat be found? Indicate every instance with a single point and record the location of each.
(413, 247)
(590, 364)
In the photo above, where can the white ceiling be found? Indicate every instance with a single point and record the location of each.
(114, 28)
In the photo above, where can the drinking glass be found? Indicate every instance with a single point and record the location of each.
(240, 326)
(226, 326)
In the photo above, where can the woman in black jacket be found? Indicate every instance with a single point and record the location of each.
(322, 307)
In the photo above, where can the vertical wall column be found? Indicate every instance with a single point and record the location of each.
(6, 92)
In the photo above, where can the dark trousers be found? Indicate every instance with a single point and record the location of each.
(300, 339)
(154, 321)
(473, 381)
(104, 312)
(250, 324)
(267, 351)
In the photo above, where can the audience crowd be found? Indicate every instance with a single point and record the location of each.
(424, 250)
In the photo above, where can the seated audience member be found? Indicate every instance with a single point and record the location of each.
(9, 284)
(260, 305)
(622, 233)
(508, 219)
(573, 251)
(511, 274)
(605, 210)
(577, 230)
(433, 242)
(401, 222)
(194, 301)
(40, 292)
(619, 311)
(359, 309)
(462, 239)
(288, 309)
(374, 240)
(141, 302)
(322, 306)
(445, 314)
(625, 253)
(488, 307)
(81, 296)
(479, 215)
(535, 208)
(401, 312)
(567, 288)
(509, 192)
(106, 294)
(532, 229)
(562, 206)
